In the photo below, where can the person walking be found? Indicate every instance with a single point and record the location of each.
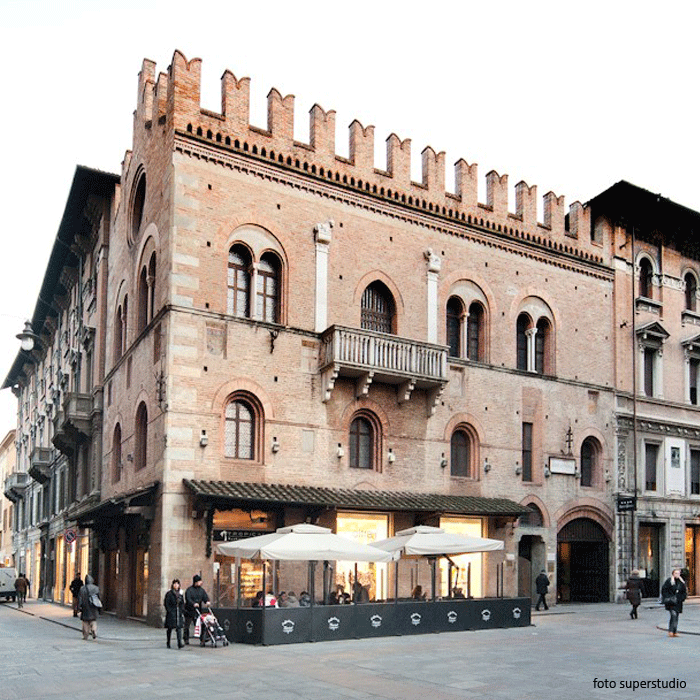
(633, 588)
(174, 603)
(88, 596)
(673, 593)
(542, 586)
(21, 587)
(196, 599)
(75, 585)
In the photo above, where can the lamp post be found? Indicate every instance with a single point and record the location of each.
(27, 337)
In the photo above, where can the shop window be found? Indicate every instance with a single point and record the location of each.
(268, 292)
(378, 309)
(240, 429)
(651, 463)
(239, 266)
(141, 437)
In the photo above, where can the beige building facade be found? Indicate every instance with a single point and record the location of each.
(8, 462)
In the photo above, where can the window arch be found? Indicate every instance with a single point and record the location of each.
(453, 321)
(146, 293)
(268, 291)
(646, 275)
(463, 448)
(138, 204)
(378, 309)
(365, 442)
(120, 329)
(117, 453)
(542, 346)
(243, 422)
(691, 288)
(239, 268)
(534, 518)
(534, 344)
(141, 437)
(590, 452)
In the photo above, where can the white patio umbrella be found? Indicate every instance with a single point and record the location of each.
(427, 541)
(304, 542)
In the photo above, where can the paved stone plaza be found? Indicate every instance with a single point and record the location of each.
(559, 656)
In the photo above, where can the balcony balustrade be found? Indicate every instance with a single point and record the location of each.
(370, 357)
(15, 486)
(40, 464)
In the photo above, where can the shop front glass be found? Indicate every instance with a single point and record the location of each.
(364, 528)
(467, 577)
(649, 558)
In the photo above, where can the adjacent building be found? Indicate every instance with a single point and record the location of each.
(12, 488)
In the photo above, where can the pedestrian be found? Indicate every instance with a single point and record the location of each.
(89, 604)
(542, 586)
(75, 585)
(174, 603)
(21, 587)
(673, 593)
(196, 599)
(633, 588)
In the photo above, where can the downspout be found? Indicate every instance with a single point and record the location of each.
(634, 411)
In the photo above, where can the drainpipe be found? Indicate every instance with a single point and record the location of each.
(634, 410)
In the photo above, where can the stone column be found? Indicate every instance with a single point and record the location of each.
(323, 240)
(687, 367)
(433, 263)
(531, 333)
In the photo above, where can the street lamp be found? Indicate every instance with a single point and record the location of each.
(27, 337)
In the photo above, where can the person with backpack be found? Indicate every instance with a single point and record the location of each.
(75, 585)
(90, 604)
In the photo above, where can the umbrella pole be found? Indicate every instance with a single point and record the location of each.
(238, 582)
(325, 582)
(396, 582)
(312, 587)
(262, 618)
(433, 562)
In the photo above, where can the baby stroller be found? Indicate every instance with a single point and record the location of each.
(208, 629)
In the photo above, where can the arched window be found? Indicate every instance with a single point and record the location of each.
(646, 274)
(117, 453)
(533, 519)
(521, 340)
(152, 287)
(268, 293)
(542, 347)
(137, 206)
(239, 264)
(454, 320)
(378, 309)
(141, 437)
(240, 429)
(475, 332)
(462, 453)
(364, 442)
(589, 458)
(691, 288)
(146, 293)
(118, 339)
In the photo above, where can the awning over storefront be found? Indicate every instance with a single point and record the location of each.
(257, 495)
(137, 502)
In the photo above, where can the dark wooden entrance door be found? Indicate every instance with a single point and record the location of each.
(583, 569)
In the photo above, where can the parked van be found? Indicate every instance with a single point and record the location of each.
(8, 576)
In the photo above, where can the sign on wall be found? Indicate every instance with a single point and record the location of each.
(560, 465)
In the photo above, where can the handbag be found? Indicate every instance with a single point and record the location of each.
(670, 601)
(95, 600)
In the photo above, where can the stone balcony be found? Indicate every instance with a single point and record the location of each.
(15, 486)
(73, 423)
(40, 464)
(369, 357)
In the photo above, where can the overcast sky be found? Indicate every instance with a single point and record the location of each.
(569, 100)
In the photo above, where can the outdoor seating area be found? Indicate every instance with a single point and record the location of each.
(320, 615)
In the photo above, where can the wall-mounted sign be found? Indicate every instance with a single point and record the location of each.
(230, 535)
(625, 504)
(561, 465)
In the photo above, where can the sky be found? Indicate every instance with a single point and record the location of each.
(571, 97)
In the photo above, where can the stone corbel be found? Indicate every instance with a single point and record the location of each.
(404, 391)
(328, 377)
(364, 381)
(434, 396)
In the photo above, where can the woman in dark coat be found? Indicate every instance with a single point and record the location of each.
(673, 593)
(174, 603)
(634, 593)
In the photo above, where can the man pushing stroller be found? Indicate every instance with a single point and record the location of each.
(196, 600)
